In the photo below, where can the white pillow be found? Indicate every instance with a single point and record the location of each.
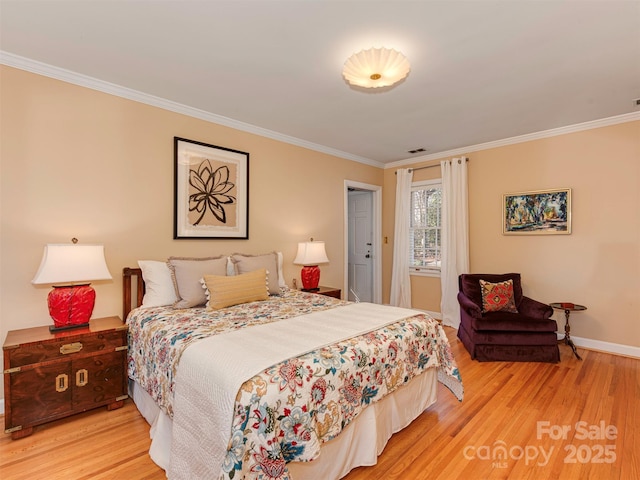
(159, 289)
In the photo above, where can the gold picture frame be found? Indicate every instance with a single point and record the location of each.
(541, 212)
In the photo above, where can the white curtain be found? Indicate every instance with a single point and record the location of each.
(400, 279)
(455, 236)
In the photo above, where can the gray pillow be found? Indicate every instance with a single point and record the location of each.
(187, 272)
(269, 261)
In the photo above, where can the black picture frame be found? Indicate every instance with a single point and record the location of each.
(211, 191)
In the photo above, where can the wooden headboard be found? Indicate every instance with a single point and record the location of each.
(127, 304)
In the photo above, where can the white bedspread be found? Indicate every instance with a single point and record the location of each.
(212, 370)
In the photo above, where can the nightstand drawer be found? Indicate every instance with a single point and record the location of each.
(66, 347)
(39, 394)
(98, 379)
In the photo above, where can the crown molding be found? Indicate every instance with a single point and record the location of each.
(81, 80)
(579, 127)
(68, 76)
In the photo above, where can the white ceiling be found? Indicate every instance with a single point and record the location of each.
(480, 70)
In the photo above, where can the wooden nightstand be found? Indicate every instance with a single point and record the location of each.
(48, 376)
(329, 292)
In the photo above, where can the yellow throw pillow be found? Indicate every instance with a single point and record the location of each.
(234, 290)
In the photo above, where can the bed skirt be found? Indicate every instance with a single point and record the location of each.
(359, 444)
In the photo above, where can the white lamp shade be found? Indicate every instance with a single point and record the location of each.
(311, 253)
(376, 67)
(69, 263)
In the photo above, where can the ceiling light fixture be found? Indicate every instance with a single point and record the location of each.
(376, 67)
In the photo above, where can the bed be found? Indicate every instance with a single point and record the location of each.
(295, 385)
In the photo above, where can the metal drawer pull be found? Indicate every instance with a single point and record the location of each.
(70, 348)
(82, 377)
(62, 382)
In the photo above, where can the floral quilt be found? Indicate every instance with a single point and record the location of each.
(159, 335)
(287, 411)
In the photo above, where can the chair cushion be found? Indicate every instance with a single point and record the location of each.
(497, 297)
(512, 338)
(512, 322)
(470, 285)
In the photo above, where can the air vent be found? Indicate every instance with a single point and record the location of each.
(417, 150)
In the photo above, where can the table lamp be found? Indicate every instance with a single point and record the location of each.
(310, 254)
(71, 304)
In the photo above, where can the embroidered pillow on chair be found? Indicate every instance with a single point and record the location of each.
(498, 297)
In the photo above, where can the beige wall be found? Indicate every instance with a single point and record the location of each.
(598, 265)
(79, 163)
(76, 162)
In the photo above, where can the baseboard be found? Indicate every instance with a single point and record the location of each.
(607, 347)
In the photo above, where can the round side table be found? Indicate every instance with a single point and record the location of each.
(568, 308)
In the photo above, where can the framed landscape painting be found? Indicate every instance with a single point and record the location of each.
(543, 212)
(211, 191)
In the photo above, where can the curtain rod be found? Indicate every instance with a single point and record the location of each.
(428, 166)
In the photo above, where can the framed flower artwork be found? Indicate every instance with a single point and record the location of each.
(211, 191)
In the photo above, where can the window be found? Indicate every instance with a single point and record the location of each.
(425, 228)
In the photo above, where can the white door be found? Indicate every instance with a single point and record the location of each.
(360, 262)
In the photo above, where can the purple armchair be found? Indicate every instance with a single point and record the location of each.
(526, 336)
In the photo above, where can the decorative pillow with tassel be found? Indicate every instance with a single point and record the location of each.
(498, 297)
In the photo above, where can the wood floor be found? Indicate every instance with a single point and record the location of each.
(572, 420)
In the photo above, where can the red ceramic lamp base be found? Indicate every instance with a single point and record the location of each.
(310, 275)
(71, 306)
